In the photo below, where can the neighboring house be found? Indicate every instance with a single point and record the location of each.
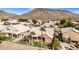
(48, 24)
(72, 34)
(77, 27)
(14, 30)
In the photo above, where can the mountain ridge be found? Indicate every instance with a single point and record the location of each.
(46, 14)
(42, 14)
(5, 14)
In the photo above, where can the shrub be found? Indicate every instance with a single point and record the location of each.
(4, 19)
(56, 44)
(23, 41)
(5, 38)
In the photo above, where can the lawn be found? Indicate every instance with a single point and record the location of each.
(40, 44)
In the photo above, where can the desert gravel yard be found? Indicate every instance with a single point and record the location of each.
(14, 46)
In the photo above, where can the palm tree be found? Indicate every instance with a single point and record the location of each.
(60, 36)
(55, 44)
(42, 29)
(69, 39)
(31, 33)
(77, 45)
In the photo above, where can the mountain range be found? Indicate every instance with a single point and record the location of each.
(42, 14)
(6, 15)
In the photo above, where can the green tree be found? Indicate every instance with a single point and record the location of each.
(62, 21)
(22, 20)
(34, 21)
(4, 19)
(66, 23)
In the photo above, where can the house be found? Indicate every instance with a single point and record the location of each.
(14, 30)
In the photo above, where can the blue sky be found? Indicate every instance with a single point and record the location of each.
(20, 11)
(74, 10)
(17, 11)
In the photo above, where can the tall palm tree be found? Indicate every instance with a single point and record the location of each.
(31, 33)
(55, 44)
(42, 29)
